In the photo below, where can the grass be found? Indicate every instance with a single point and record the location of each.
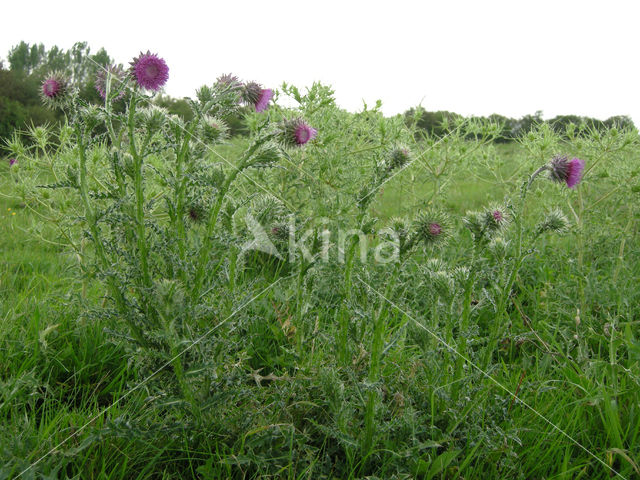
(284, 402)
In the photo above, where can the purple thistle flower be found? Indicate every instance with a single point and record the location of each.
(563, 170)
(54, 89)
(117, 80)
(262, 104)
(12, 162)
(435, 229)
(254, 94)
(150, 71)
(493, 219)
(297, 132)
(304, 133)
(576, 166)
(51, 87)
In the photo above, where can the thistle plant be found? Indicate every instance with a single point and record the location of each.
(152, 191)
(486, 228)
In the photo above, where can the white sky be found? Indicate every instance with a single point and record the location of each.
(468, 56)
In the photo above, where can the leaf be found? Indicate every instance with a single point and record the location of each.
(441, 463)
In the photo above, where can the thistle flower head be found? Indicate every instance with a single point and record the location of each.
(150, 71)
(54, 90)
(442, 282)
(196, 212)
(483, 225)
(228, 81)
(495, 218)
(213, 129)
(254, 94)
(554, 221)
(431, 227)
(153, 117)
(12, 162)
(266, 94)
(297, 132)
(401, 226)
(116, 77)
(563, 170)
(397, 158)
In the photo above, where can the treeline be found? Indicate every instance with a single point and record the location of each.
(27, 66)
(21, 106)
(441, 122)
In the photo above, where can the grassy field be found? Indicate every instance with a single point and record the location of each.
(452, 364)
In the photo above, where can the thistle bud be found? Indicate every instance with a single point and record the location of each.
(431, 227)
(213, 130)
(92, 116)
(397, 158)
(474, 221)
(153, 117)
(555, 221)
(442, 282)
(460, 274)
(499, 248)
(196, 212)
(402, 228)
(496, 218)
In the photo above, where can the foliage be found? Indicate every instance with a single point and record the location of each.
(146, 336)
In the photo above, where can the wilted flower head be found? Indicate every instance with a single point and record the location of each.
(297, 132)
(54, 90)
(196, 212)
(228, 81)
(116, 80)
(150, 71)
(563, 170)
(254, 94)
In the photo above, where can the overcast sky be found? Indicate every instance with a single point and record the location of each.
(472, 57)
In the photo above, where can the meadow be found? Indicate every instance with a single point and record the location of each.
(143, 334)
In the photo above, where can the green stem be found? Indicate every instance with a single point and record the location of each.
(205, 250)
(139, 195)
(99, 247)
(180, 188)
